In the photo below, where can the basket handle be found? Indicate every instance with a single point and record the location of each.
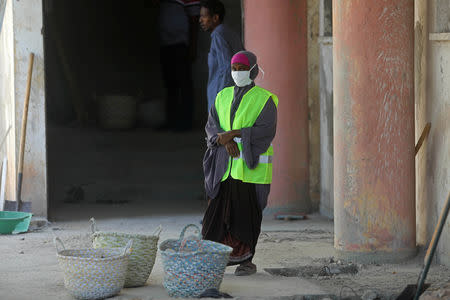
(93, 225)
(58, 243)
(186, 227)
(128, 248)
(158, 230)
(183, 244)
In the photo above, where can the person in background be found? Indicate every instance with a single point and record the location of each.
(178, 25)
(224, 43)
(238, 162)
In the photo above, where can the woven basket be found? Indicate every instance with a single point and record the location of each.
(141, 260)
(192, 266)
(93, 273)
(117, 111)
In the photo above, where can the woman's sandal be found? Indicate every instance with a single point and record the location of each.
(245, 269)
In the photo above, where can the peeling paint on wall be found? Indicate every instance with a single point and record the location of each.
(374, 127)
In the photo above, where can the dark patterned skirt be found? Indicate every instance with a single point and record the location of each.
(234, 218)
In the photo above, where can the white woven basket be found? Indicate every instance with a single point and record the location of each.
(141, 260)
(93, 273)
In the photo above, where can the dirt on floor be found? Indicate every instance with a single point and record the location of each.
(318, 263)
(302, 251)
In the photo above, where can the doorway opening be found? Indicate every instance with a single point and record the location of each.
(105, 100)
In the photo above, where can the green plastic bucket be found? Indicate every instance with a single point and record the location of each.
(14, 222)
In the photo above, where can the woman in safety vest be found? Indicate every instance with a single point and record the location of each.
(238, 162)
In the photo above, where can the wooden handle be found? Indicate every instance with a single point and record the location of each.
(23, 134)
(423, 136)
(438, 230)
(432, 247)
(25, 113)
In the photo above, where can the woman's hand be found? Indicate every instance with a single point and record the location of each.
(226, 137)
(232, 149)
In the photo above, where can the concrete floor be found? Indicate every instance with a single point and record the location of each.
(130, 181)
(160, 178)
(29, 268)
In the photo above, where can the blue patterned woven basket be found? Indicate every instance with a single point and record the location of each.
(93, 273)
(192, 266)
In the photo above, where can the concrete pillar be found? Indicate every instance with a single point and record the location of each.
(276, 31)
(7, 105)
(21, 34)
(313, 102)
(28, 38)
(373, 72)
(423, 206)
(326, 110)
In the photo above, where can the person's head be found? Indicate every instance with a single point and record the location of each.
(244, 68)
(212, 13)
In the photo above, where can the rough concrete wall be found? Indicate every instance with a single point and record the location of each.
(326, 129)
(326, 109)
(437, 148)
(28, 38)
(420, 66)
(313, 102)
(7, 95)
(442, 19)
(2, 12)
(373, 85)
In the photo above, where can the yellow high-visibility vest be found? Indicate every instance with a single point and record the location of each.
(251, 105)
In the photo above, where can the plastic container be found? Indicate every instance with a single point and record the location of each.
(14, 222)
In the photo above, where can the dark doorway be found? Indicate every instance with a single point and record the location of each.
(107, 48)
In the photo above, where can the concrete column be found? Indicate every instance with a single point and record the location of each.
(326, 110)
(21, 34)
(276, 31)
(313, 102)
(373, 72)
(423, 206)
(7, 105)
(28, 38)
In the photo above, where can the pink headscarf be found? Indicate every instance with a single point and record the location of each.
(249, 59)
(240, 58)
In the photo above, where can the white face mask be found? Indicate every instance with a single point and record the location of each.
(242, 78)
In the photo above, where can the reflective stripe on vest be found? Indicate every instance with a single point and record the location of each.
(251, 105)
(263, 159)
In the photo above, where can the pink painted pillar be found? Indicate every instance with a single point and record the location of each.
(374, 130)
(276, 32)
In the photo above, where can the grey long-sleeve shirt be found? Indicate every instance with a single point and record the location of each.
(255, 141)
